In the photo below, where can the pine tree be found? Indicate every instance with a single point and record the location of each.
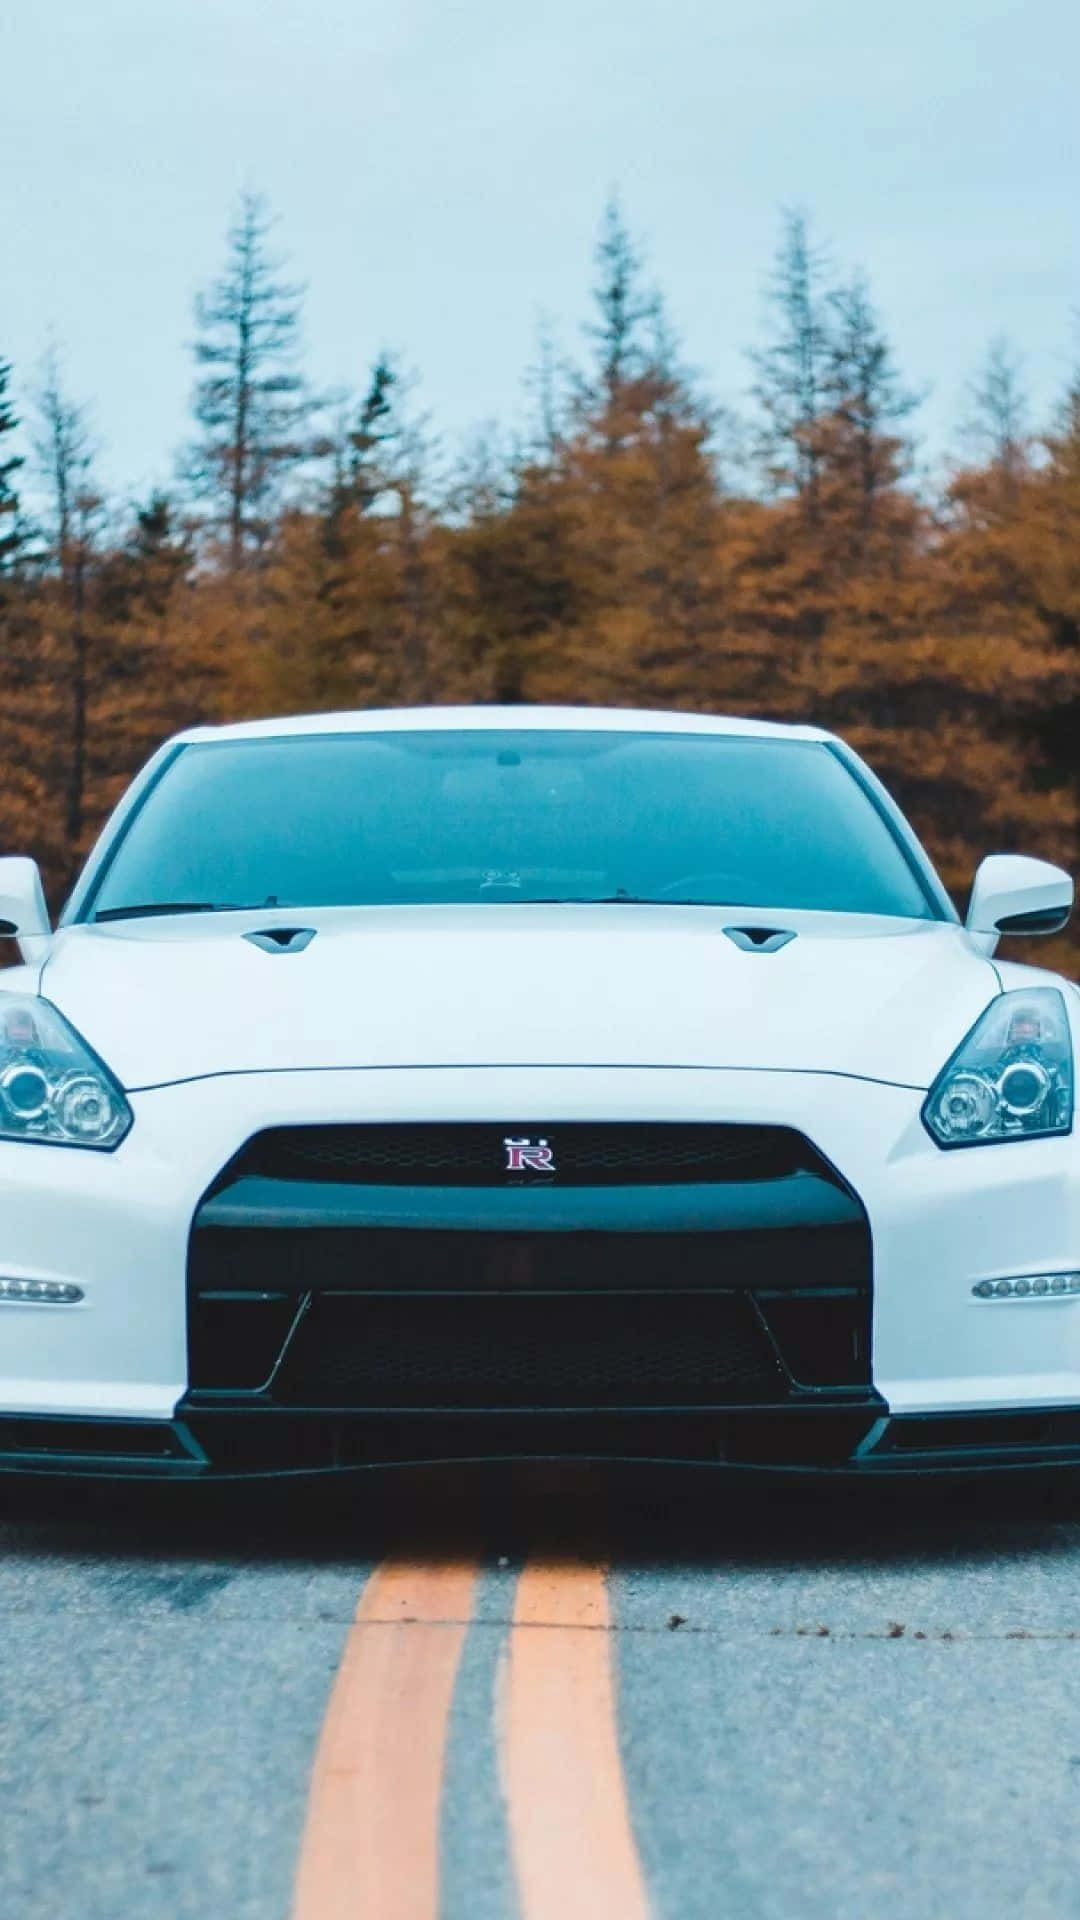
(66, 455)
(10, 465)
(359, 474)
(354, 600)
(149, 562)
(250, 400)
(153, 670)
(1042, 530)
(867, 404)
(791, 372)
(626, 310)
(545, 383)
(997, 426)
(404, 463)
(375, 425)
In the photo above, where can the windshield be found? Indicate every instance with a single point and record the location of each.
(505, 817)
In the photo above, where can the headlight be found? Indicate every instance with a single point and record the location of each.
(1013, 1077)
(53, 1089)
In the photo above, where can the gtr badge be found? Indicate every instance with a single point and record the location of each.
(529, 1156)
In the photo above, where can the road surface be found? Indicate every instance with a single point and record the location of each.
(555, 1693)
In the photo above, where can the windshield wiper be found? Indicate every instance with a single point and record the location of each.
(619, 899)
(148, 908)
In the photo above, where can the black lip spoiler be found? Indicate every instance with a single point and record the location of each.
(852, 1442)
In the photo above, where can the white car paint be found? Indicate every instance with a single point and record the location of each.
(525, 985)
(545, 1013)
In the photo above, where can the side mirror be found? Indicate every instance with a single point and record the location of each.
(23, 913)
(1014, 894)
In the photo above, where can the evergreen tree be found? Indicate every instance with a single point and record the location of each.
(867, 402)
(10, 465)
(791, 371)
(545, 383)
(404, 460)
(250, 399)
(1042, 528)
(997, 426)
(625, 312)
(153, 557)
(65, 456)
(354, 601)
(359, 475)
(375, 426)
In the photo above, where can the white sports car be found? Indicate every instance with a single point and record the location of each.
(483, 1082)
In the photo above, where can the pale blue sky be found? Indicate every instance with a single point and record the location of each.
(439, 170)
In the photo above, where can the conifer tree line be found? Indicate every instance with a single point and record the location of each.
(633, 543)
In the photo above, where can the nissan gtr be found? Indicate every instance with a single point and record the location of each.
(484, 1083)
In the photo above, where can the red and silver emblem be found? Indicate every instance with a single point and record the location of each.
(529, 1156)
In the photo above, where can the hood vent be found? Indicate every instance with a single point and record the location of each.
(760, 939)
(282, 939)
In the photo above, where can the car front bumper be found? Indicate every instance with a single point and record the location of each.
(104, 1385)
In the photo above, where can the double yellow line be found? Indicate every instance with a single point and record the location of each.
(371, 1844)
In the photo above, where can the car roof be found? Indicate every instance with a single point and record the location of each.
(520, 719)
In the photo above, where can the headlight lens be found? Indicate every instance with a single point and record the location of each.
(53, 1089)
(1013, 1077)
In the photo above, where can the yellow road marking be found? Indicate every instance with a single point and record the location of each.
(573, 1846)
(371, 1844)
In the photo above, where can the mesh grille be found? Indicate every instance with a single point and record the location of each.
(510, 1352)
(386, 1260)
(414, 1154)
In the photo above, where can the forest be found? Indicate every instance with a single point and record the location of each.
(633, 543)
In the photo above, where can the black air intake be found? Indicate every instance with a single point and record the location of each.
(586, 1154)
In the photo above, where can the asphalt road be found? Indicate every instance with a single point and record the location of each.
(563, 1693)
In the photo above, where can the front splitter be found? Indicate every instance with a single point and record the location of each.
(860, 1441)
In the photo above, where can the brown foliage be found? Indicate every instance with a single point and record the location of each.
(610, 567)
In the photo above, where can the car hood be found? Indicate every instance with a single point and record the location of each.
(164, 1000)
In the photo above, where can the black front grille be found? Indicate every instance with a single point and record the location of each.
(809, 1288)
(474, 1155)
(507, 1351)
(419, 1260)
(296, 1302)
